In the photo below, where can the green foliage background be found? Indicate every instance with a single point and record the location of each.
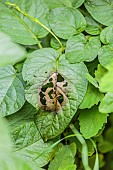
(74, 38)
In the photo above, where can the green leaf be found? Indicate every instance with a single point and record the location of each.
(5, 141)
(91, 121)
(63, 160)
(105, 55)
(39, 66)
(77, 3)
(14, 163)
(11, 91)
(90, 146)
(100, 10)
(7, 161)
(92, 26)
(21, 29)
(99, 73)
(106, 83)
(66, 22)
(25, 114)
(92, 97)
(106, 105)
(10, 53)
(54, 43)
(28, 145)
(106, 35)
(61, 3)
(91, 80)
(80, 48)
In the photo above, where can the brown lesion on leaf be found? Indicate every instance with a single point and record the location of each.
(52, 95)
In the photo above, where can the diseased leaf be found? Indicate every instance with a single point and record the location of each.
(105, 55)
(29, 146)
(80, 48)
(91, 121)
(106, 105)
(100, 10)
(11, 91)
(10, 53)
(66, 22)
(51, 79)
(21, 29)
(63, 160)
(92, 97)
(92, 26)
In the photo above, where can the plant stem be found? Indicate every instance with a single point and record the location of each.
(35, 20)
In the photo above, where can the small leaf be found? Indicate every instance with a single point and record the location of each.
(11, 91)
(66, 22)
(99, 73)
(90, 146)
(63, 160)
(92, 26)
(79, 48)
(106, 35)
(100, 10)
(91, 121)
(55, 88)
(10, 53)
(54, 43)
(106, 83)
(106, 105)
(105, 55)
(92, 97)
(91, 80)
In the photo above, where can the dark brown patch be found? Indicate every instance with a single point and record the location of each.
(52, 95)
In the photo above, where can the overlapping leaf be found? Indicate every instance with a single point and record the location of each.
(11, 91)
(61, 3)
(66, 22)
(106, 105)
(92, 97)
(10, 53)
(80, 48)
(29, 146)
(63, 160)
(20, 28)
(37, 69)
(105, 53)
(92, 26)
(91, 121)
(100, 10)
